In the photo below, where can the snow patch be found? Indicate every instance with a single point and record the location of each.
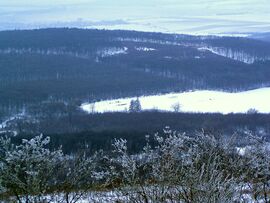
(168, 57)
(146, 49)
(153, 41)
(112, 51)
(234, 55)
(203, 101)
(46, 52)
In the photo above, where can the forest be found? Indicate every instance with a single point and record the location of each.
(75, 65)
(97, 131)
(46, 74)
(53, 151)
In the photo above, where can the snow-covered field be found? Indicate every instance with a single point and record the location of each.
(194, 101)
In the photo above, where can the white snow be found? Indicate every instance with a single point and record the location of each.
(242, 150)
(4, 123)
(112, 51)
(234, 55)
(203, 101)
(168, 57)
(50, 51)
(94, 196)
(146, 49)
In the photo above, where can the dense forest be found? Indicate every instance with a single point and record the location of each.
(46, 74)
(53, 151)
(97, 131)
(74, 65)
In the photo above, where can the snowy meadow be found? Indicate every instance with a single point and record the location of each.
(203, 101)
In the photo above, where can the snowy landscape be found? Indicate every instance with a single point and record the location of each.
(105, 101)
(230, 17)
(193, 101)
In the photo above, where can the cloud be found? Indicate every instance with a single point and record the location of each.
(136, 13)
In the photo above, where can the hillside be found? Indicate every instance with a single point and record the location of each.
(75, 66)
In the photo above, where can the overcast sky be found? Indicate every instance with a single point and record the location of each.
(153, 15)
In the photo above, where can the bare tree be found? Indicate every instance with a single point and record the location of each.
(176, 107)
(26, 169)
(178, 168)
(175, 167)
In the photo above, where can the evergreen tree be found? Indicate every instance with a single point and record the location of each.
(135, 105)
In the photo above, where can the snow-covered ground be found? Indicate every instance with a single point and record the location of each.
(234, 55)
(194, 101)
(5, 124)
(112, 51)
(146, 49)
(118, 196)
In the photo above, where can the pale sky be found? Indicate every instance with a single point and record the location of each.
(209, 16)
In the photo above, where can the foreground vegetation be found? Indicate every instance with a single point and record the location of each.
(173, 168)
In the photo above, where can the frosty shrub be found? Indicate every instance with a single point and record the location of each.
(173, 167)
(27, 169)
(257, 168)
(177, 168)
(30, 172)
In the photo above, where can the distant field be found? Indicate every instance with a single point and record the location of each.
(193, 101)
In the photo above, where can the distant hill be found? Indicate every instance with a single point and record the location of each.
(77, 65)
(262, 36)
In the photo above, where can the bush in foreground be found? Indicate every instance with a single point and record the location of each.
(177, 168)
